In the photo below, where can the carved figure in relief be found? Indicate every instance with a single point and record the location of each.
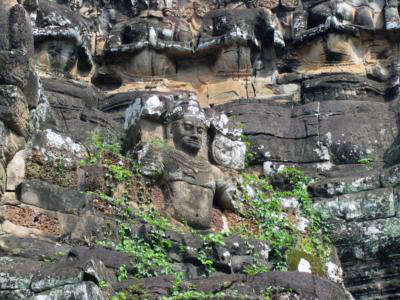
(18, 82)
(191, 184)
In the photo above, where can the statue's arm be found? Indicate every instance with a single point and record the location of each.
(226, 192)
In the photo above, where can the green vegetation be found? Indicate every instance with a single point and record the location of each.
(56, 173)
(263, 218)
(246, 141)
(135, 292)
(267, 221)
(205, 253)
(148, 256)
(367, 161)
(179, 294)
(103, 284)
(256, 267)
(193, 294)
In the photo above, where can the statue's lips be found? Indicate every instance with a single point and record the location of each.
(193, 142)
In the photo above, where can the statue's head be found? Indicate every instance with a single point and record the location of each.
(188, 133)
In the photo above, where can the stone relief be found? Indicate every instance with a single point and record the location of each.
(178, 159)
(18, 82)
(309, 83)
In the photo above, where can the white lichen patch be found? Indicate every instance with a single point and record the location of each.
(62, 143)
(325, 166)
(334, 272)
(302, 224)
(328, 138)
(264, 253)
(153, 106)
(372, 230)
(268, 168)
(133, 113)
(289, 202)
(322, 152)
(304, 266)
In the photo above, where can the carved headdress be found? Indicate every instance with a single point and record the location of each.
(181, 108)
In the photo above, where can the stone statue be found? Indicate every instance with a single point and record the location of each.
(18, 82)
(191, 184)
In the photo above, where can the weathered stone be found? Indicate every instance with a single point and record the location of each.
(3, 180)
(17, 273)
(67, 273)
(54, 147)
(10, 144)
(375, 204)
(313, 83)
(32, 248)
(16, 294)
(88, 225)
(84, 291)
(14, 109)
(57, 275)
(16, 171)
(228, 153)
(329, 187)
(238, 263)
(52, 197)
(111, 259)
(306, 285)
(157, 287)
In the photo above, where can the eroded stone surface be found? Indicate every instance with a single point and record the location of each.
(313, 84)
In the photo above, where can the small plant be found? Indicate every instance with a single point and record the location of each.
(255, 268)
(214, 238)
(193, 294)
(204, 258)
(205, 253)
(267, 293)
(61, 253)
(103, 284)
(118, 173)
(249, 155)
(122, 273)
(49, 259)
(99, 145)
(121, 296)
(60, 166)
(367, 161)
(178, 294)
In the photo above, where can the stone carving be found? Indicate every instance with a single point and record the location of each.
(18, 82)
(62, 43)
(191, 184)
(227, 152)
(312, 83)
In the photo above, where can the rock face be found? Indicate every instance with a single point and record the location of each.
(200, 92)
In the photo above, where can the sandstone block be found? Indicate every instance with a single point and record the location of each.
(52, 197)
(16, 170)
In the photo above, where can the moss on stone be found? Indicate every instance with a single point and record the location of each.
(295, 255)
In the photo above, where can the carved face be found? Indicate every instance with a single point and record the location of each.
(188, 134)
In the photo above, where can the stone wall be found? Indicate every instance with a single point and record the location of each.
(311, 84)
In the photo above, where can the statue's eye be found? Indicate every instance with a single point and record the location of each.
(200, 130)
(188, 127)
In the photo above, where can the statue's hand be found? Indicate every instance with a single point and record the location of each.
(227, 194)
